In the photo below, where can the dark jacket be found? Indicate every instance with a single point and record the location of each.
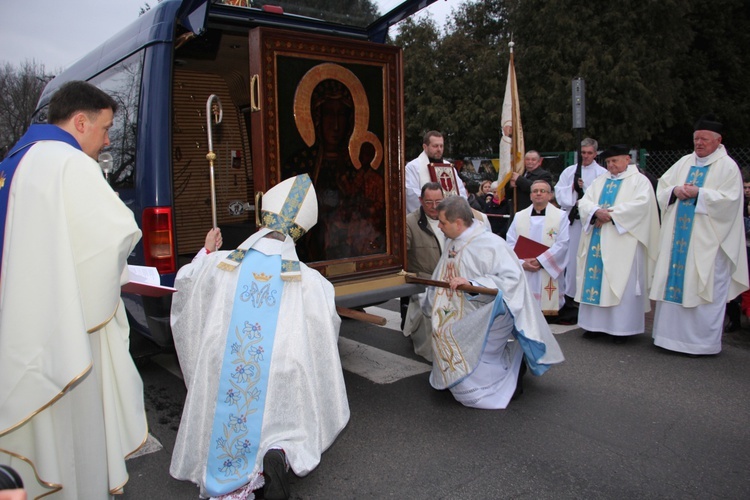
(523, 186)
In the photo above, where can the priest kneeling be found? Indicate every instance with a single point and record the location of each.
(256, 334)
(474, 354)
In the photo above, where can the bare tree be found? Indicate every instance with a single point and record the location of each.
(20, 88)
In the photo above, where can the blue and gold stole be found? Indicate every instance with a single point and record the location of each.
(594, 270)
(243, 382)
(683, 229)
(36, 133)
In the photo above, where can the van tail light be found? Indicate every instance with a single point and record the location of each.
(158, 244)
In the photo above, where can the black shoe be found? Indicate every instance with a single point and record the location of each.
(591, 335)
(731, 327)
(276, 476)
(519, 382)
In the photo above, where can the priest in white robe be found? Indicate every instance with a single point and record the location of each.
(473, 352)
(418, 174)
(568, 191)
(71, 399)
(618, 249)
(702, 263)
(546, 224)
(256, 334)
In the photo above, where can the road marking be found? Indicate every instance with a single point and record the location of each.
(393, 318)
(381, 367)
(558, 329)
(152, 445)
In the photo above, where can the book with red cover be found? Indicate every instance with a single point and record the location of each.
(445, 175)
(528, 249)
(146, 289)
(145, 281)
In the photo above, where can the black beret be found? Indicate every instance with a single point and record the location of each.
(616, 150)
(708, 122)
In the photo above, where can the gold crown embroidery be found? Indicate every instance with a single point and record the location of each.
(261, 277)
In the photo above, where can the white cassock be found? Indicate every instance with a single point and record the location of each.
(716, 265)
(551, 230)
(417, 175)
(306, 405)
(567, 197)
(628, 250)
(71, 399)
(474, 355)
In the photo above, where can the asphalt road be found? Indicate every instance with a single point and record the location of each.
(613, 421)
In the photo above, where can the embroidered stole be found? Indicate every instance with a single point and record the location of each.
(594, 270)
(447, 309)
(683, 229)
(549, 294)
(243, 382)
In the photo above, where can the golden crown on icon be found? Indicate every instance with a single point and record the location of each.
(262, 276)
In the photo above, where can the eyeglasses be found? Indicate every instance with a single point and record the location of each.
(535, 191)
(431, 203)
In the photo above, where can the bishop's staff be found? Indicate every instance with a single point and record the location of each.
(213, 107)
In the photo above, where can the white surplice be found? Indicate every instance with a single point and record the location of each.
(71, 399)
(306, 405)
(567, 197)
(417, 174)
(628, 247)
(716, 267)
(552, 230)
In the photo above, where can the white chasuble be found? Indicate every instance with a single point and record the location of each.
(71, 399)
(463, 323)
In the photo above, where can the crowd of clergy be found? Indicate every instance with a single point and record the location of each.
(256, 330)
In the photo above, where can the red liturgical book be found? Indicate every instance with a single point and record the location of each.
(528, 249)
(145, 281)
(445, 175)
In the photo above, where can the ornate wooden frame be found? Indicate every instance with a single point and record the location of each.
(285, 68)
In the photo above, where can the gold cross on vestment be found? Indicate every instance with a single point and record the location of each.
(550, 288)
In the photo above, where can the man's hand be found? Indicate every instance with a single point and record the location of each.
(457, 281)
(531, 265)
(580, 183)
(602, 216)
(685, 192)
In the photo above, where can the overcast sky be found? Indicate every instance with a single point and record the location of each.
(56, 33)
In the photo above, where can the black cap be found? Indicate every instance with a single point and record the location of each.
(9, 479)
(616, 150)
(708, 122)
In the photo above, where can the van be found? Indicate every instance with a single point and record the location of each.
(294, 94)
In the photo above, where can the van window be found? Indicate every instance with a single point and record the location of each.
(123, 83)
